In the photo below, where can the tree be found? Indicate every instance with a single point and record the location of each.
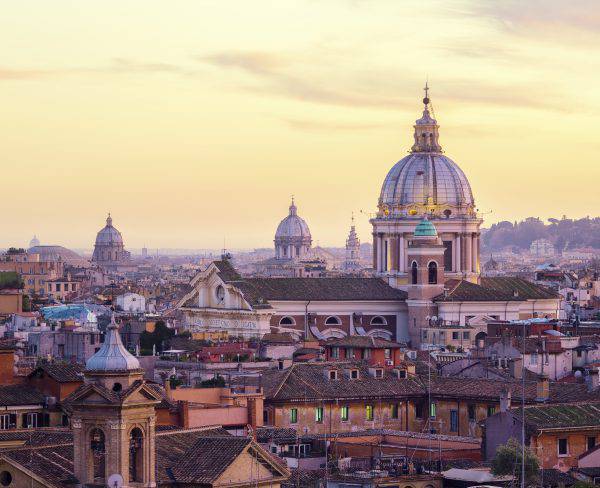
(507, 462)
(216, 382)
(160, 335)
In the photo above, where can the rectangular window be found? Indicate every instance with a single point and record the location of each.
(4, 422)
(419, 410)
(335, 352)
(454, 336)
(319, 415)
(345, 413)
(453, 420)
(471, 412)
(424, 335)
(57, 286)
(379, 373)
(466, 335)
(563, 447)
(31, 421)
(366, 353)
(591, 442)
(369, 412)
(293, 415)
(533, 359)
(402, 373)
(432, 410)
(354, 374)
(491, 410)
(349, 353)
(579, 353)
(387, 353)
(395, 410)
(333, 375)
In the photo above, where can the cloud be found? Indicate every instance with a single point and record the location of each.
(387, 88)
(323, 126)
(124, 65)
(21, 74)
(578, 19)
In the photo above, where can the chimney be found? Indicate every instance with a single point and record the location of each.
(543, 388)
(515, 366)
(505, 397)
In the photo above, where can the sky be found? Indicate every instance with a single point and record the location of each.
(194, 121)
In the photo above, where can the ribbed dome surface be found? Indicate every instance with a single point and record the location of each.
(426, 178)
(292, 225)
(109, 235)
(112, 356)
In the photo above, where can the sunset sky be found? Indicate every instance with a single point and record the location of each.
(194, 121)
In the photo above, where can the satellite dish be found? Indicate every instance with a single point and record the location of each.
(115, 481)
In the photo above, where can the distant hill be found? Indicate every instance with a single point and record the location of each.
(564, 233)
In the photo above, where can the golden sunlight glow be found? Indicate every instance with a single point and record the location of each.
(192, 121)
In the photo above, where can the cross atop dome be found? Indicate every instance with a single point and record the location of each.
(109, 220)
(293, 208)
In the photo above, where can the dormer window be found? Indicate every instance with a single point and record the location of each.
(401, 373)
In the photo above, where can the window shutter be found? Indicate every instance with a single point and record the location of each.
(24, 420)
(13, 421)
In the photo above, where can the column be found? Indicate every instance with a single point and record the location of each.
(393, 243)
(402, 254)
(469, 252)
(458, 267)
(375, 254)
(379, 253)
(475, 252)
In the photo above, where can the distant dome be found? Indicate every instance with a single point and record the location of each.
(34, 242)
(293, 226)
(112, 356)
(109, 235)
(55, 253)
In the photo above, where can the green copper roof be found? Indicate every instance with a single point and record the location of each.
(425, 229)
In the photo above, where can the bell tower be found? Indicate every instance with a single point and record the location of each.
(425, 255)
(113, 419)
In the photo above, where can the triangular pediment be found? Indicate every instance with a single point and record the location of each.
(91, 394)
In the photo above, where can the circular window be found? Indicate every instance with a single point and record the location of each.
(117, 387)
(220, 292)
(5, 478)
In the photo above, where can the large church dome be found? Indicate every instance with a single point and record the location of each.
(109, 235)
(426, 181)
(293, 225)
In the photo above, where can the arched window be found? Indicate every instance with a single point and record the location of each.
(333, 320)
(136, 453)
(287, 321)
(98, 455)
(432, 271)
(413, 272)
(378, 320)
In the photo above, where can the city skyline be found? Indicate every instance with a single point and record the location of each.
(203, 131)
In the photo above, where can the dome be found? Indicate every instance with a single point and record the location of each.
(292, 225)
(426, 180)
(425, 228)
(34, 242)
(56, 253)
(112, 356)
(109, 235)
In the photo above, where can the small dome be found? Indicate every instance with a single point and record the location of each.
(292, 225)
(425, 228)
(112, 356)
(109, 235)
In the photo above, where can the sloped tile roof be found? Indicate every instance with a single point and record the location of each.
(20, 395)
(62, 372)
(561, 416)
(501, 288)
